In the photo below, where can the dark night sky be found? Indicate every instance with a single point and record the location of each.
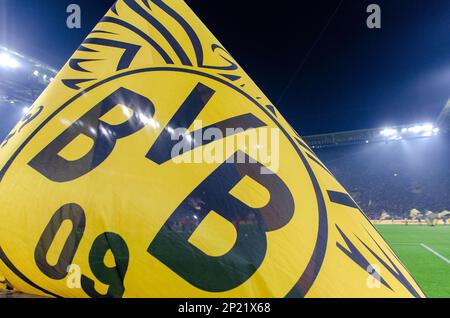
(352, 78)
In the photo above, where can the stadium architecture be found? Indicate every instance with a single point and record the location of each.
(375, 165)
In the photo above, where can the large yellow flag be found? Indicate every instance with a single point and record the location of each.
(153, 166)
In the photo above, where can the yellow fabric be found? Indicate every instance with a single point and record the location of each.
(160, 53)
(2, 282)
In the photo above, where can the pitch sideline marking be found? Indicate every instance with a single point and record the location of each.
(435, 253)
(401, 243)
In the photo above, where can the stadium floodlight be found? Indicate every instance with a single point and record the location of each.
(7, 61)
(427, 128)
(36, 73)
(389, 132)
(415, 129)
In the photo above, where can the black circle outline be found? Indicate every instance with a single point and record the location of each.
(308, 277)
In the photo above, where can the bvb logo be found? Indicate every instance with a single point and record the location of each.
(138, 224)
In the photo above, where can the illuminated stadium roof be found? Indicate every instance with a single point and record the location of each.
(387, 134)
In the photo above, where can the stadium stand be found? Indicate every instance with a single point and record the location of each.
(394, 176)
(395, 172)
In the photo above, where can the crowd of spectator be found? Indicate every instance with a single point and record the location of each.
(394, 177)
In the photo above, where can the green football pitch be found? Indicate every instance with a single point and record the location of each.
(425, 251)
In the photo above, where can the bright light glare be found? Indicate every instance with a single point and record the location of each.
(154, 123)
(427, 127)
(144, 119)
(424, 130)
(415, 129)
(65, 122)
(104, 131)
(389, 132)
(7, 61)
(26, 110)
(127, 112)
(170, 130)
(36, 73)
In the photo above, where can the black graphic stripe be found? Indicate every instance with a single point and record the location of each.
(303, 144)
(231, 77)
(184, 59)
(306, 280)
(272, 109)
(143, 35)
(309, 276)
(198, 49)
(342, 199)
(345, 199)
(103, 32)
(394, 270)
(86, 49)
(75, 64)
(114, 8)
(319, 163)
(196, 43)
(232, 67)
(74, 83)
(356, 256)
(130, 50)
(147, 4)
